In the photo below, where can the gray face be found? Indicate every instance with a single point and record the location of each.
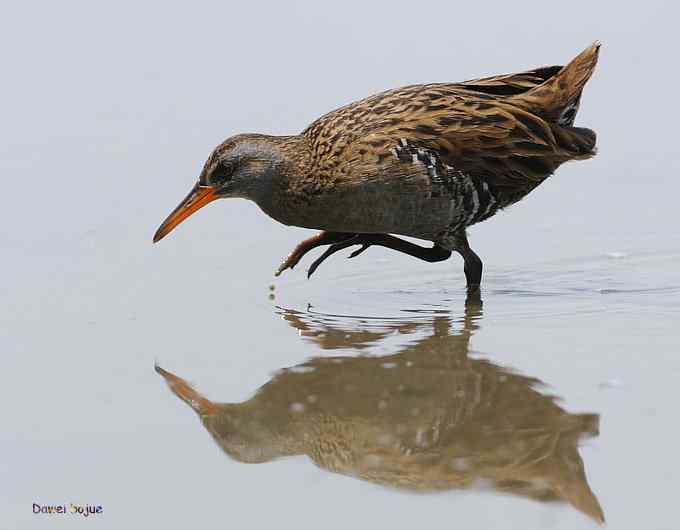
(242, 166)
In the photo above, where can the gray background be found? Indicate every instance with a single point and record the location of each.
(108, 112)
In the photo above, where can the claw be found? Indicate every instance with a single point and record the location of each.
(289, 263)
(359, 251)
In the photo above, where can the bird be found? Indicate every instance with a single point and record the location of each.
(424, 161)
(428, 417)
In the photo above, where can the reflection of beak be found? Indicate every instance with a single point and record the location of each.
(198, 197)
(183, 390)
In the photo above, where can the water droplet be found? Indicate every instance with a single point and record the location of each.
(460, 464)
(301, 369)
(385, 439)
(616, 255)
(372, 461)
(483, 484)
(297, 407)
(612, 383)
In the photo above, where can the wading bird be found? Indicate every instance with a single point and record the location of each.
(425, 161)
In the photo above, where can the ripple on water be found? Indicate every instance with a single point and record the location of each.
(615, 280)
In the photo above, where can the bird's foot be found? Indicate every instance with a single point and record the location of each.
(431, 255)
(324, 238)
(337, 247)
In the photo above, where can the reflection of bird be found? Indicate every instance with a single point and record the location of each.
(425, 161)
(426, 418)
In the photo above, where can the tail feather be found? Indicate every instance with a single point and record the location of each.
(577, 142)
(557, 99)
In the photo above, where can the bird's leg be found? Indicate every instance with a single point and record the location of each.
(324, 238)
(473, 264)
(473, 269)
(431, 255)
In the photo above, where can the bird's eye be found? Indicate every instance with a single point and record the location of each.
(222, 172)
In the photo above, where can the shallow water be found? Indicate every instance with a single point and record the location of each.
(581, 293)
(590, 338)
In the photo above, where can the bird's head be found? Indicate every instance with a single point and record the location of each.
(242, 430)
(242, 166)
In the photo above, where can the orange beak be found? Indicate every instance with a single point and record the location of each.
(198, 197)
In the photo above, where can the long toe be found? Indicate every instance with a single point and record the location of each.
(289, 263)
(329, 252)
(357, 252)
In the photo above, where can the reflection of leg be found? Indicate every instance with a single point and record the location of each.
(473, 315)
(323, 238)
(431, 255)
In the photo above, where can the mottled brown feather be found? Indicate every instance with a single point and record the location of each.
(511, 139)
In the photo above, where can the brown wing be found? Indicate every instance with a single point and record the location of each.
(502, 128)
(479, 135)
(506, 146)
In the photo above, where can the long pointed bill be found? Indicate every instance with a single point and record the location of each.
(198, 197)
